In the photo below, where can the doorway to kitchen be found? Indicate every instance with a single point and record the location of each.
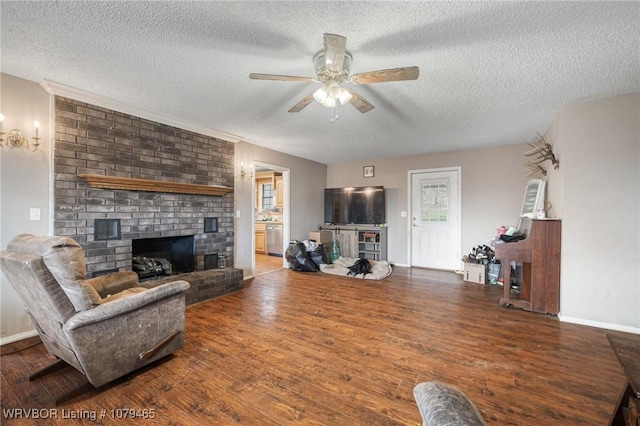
(271, 217)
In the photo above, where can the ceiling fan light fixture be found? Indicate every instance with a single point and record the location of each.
(344, 97)
(330, 94)
(329, 102)
(321, 95)
(334, 90)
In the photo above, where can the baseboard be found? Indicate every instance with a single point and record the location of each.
(598, 324)
(16, 337)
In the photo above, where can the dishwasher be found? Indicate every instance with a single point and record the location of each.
(274, 240)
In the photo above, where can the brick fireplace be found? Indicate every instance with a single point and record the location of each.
(98, 141)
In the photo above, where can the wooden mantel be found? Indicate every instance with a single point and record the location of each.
(116, 182)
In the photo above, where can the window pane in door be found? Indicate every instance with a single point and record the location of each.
(435, 201)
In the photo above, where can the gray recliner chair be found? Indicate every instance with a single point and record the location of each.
(105, 327)
(441, 404)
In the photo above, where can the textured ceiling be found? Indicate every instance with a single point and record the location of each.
(491, 73)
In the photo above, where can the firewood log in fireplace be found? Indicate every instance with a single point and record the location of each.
(151, 266)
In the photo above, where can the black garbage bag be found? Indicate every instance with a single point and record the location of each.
(299, 259)
(319, 255)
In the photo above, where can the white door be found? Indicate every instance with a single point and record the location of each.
(435, 219)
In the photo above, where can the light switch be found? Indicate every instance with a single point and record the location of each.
(403, 214)
(237, 213)
(34, 213)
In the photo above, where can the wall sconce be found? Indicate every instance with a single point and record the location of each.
(15, 138)
(244, 174)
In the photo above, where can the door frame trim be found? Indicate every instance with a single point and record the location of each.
(410, 173)
(286, 216)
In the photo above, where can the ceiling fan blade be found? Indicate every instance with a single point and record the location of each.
(255, 76)
(360, 103)
(303, 103)
(382, 76)
(334, 49)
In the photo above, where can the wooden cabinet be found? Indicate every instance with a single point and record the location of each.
(360, 241)
(279, 192)
(261, 238)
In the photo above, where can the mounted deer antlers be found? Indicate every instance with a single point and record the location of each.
(533, 168)
(543, 152)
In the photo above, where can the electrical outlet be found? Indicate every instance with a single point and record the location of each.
(34, 213)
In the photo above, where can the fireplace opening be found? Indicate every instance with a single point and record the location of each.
(154, 257)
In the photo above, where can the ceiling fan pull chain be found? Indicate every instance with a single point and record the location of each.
(335, 114)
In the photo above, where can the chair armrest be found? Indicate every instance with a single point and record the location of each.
(113, 283)
(126, 304)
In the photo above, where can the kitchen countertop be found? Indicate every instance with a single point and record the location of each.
(269, 222)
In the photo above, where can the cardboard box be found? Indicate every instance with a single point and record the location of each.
(321, 237)
(474, 273)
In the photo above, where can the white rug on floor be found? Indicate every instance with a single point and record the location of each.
(379, 268)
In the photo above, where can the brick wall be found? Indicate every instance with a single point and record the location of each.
(94, 140)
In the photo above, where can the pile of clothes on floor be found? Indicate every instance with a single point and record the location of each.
(481, 254)
(484, 255)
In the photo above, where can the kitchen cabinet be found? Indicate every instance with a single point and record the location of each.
(279, 192)
(261, 238)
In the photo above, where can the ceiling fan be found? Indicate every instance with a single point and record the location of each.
(333, 65)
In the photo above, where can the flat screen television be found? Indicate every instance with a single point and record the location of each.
(362, 205)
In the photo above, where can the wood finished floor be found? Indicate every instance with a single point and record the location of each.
(266, 264)
(310, 348)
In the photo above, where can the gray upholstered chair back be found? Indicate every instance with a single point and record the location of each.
(44, 299)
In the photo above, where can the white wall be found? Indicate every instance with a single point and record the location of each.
(493, 183)
(600, 180)
(24, 184)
